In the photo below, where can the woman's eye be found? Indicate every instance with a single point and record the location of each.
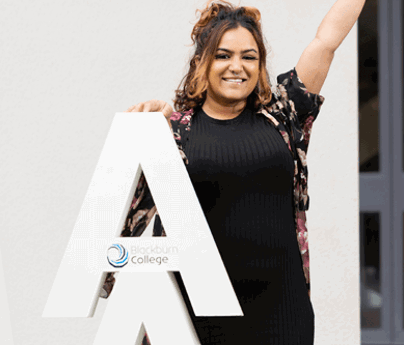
(225, 56)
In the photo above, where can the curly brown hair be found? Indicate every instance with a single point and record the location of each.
(215, 19)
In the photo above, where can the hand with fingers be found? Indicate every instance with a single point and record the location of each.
(153, 106)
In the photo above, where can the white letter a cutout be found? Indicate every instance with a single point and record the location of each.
(134, 139)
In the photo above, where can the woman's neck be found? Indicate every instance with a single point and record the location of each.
(223, 111)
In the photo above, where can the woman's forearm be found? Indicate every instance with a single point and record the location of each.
(338, 22)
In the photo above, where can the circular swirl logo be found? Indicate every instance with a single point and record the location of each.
(117, 255)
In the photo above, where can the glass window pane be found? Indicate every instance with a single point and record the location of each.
(371, 299)
(368, 88)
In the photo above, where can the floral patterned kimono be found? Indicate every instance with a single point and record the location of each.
(292, 110)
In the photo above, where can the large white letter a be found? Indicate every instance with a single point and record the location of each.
(128, 149)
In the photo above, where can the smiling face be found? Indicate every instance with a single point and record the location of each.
(234, 72)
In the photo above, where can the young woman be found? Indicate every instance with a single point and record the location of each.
(244, 148)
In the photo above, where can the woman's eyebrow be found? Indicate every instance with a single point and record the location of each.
(244, 51)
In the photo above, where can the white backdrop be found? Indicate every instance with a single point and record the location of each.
(67, 67)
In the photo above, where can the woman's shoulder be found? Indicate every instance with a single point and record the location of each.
(177, 116)
(291, 96)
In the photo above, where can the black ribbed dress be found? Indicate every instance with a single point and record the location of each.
(242, 172)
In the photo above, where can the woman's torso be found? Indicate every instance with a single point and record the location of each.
(242, 172)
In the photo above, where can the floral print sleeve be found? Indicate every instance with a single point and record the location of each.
(304, 104)
(299, 108)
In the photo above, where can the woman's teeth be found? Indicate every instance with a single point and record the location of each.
(237, 81)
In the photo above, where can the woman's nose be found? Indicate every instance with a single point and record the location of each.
(236, 66)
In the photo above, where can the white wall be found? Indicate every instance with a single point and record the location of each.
(68, 66)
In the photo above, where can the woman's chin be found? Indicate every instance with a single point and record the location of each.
(233, 98)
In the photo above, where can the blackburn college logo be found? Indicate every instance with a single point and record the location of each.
(117, 255)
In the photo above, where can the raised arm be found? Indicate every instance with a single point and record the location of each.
(316, 59)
